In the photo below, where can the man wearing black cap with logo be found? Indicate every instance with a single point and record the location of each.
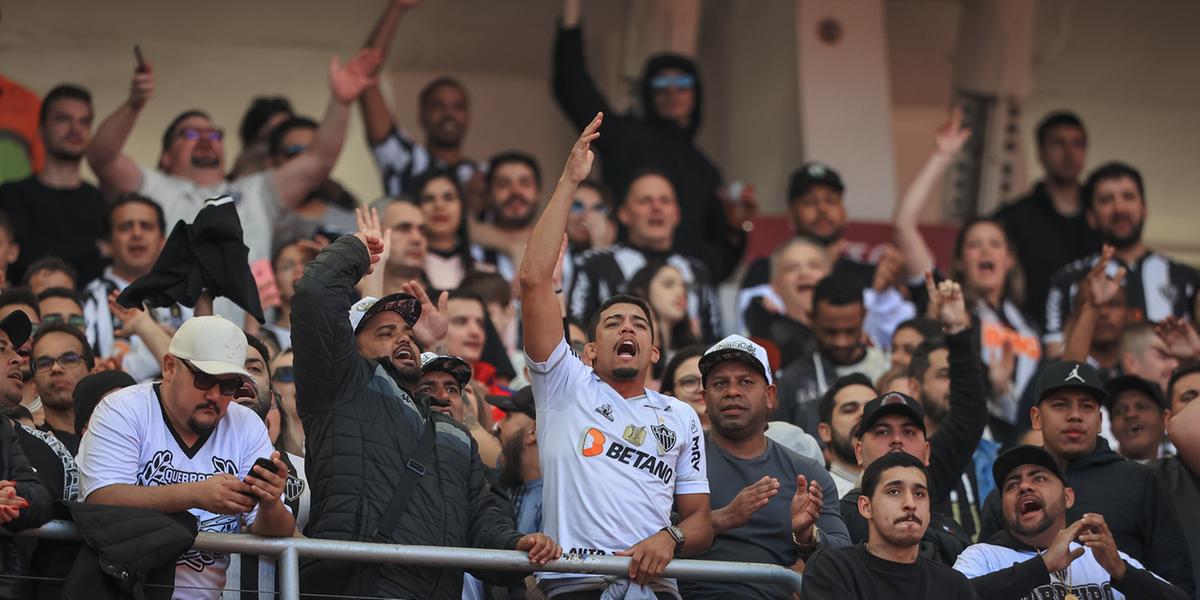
(24, 501)
(384, 467)
(443, 378)
(1038, 556)
(520, 469)
(770, 505)
(1139, 414)
(1131, 497)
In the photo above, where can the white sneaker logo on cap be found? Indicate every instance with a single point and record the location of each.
(1074, 374)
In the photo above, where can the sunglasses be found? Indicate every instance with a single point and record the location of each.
(663, 82)
(76, 321)
(192, 134)
(204, 382)
(293, 150)
(578, 207)
(284, 375)
(66, 360)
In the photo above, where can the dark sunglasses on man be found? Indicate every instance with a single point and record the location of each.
(192, 134)
(204, 382)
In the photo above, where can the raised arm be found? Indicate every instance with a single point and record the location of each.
(297, 177)
(376, 116)
(117, 172)
(541, 313)
(948, 141)
(1095, 290)
(573, 86)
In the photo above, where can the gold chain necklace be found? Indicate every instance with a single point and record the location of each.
(1070, 595)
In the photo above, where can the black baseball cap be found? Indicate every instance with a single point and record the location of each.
(1023, 455)
(1070, 374)
(18, 328)
(813, 173)
(445, 363)
(1127, 383)
(891, 403)
(521, 401)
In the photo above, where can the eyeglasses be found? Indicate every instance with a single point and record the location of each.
(76, 321)
(689, 385)
(663, 82)
(66, 360)
(284, 375)
(293, 150)
(577, 207)
(204, 382)
(192, 134)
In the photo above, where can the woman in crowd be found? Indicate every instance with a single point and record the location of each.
(663, 286)
(986, 264)
(681, 378)
(440, 197)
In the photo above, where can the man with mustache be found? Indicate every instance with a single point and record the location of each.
(895, 504)
(382, 465)
(770, 505)
(640, 452)
(185, 445)
(1131, 497)
(1156, 287)
(1038, 555)
(191, 167)
(841, 409)
(55, 212)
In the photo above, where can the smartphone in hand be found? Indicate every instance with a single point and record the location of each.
(141, 62)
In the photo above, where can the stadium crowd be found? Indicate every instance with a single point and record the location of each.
(494, 355)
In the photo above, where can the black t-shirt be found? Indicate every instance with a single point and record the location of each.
(1046, 242)
(842, 573)
(53, 222)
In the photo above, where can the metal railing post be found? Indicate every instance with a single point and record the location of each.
(288, 567)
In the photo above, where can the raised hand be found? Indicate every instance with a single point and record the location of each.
(888, 269)
(951, 136)
(1099, 538)
(806, 507)
(348, 81)
(142, 87)
(740, 209)
(747, 502)
(947, 305)
(432, 326)
(1060, 555)
(374, 248)
(1180, 337)
(1100, 288)
(600, 230)
(579, 162)
(132, 319)
(1000, 372)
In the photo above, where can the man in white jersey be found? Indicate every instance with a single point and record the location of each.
(1038, 556)
(184, 445)
(614, 455)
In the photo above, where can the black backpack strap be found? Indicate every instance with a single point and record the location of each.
(416, 466)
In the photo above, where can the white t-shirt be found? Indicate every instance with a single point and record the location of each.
(611, 466)
(128, 441)
(1086, 577)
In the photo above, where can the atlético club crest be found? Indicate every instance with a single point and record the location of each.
(665, 437)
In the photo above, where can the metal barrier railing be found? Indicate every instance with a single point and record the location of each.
(288, 551)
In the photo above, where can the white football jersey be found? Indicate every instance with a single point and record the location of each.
(611, 466)
(129, 441)
(1086, 577)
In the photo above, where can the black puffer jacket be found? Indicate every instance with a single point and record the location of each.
(360, 429)
(14, 467)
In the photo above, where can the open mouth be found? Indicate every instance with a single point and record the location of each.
(1029, 505)
(987, 266)
(626, 349)
(403, 353)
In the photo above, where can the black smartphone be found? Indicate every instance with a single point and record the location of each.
(141, 62)
(267, 465)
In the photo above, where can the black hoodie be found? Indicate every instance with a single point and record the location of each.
(629, 144)
(1135, 504)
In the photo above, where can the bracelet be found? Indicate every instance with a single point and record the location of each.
(558, 291)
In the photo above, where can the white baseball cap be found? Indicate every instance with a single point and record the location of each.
(736, 347)
(213, 345)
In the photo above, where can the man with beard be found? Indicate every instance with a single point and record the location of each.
(54, 211)
(383, 466)
(514, 185)
(191, 168)
(135, 231)
(641, 452)
(1048, 227)
(1038, 555)
(841, 349)
(443, 379)
(650, 214)
(520, 470)
(184, 445)
(895, 505)
(1156, 287)
(841, 409)
(1135, 504)
(442, 113)
(769, 504)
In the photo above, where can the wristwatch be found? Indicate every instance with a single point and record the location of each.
(678, 535)
(811, 546)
